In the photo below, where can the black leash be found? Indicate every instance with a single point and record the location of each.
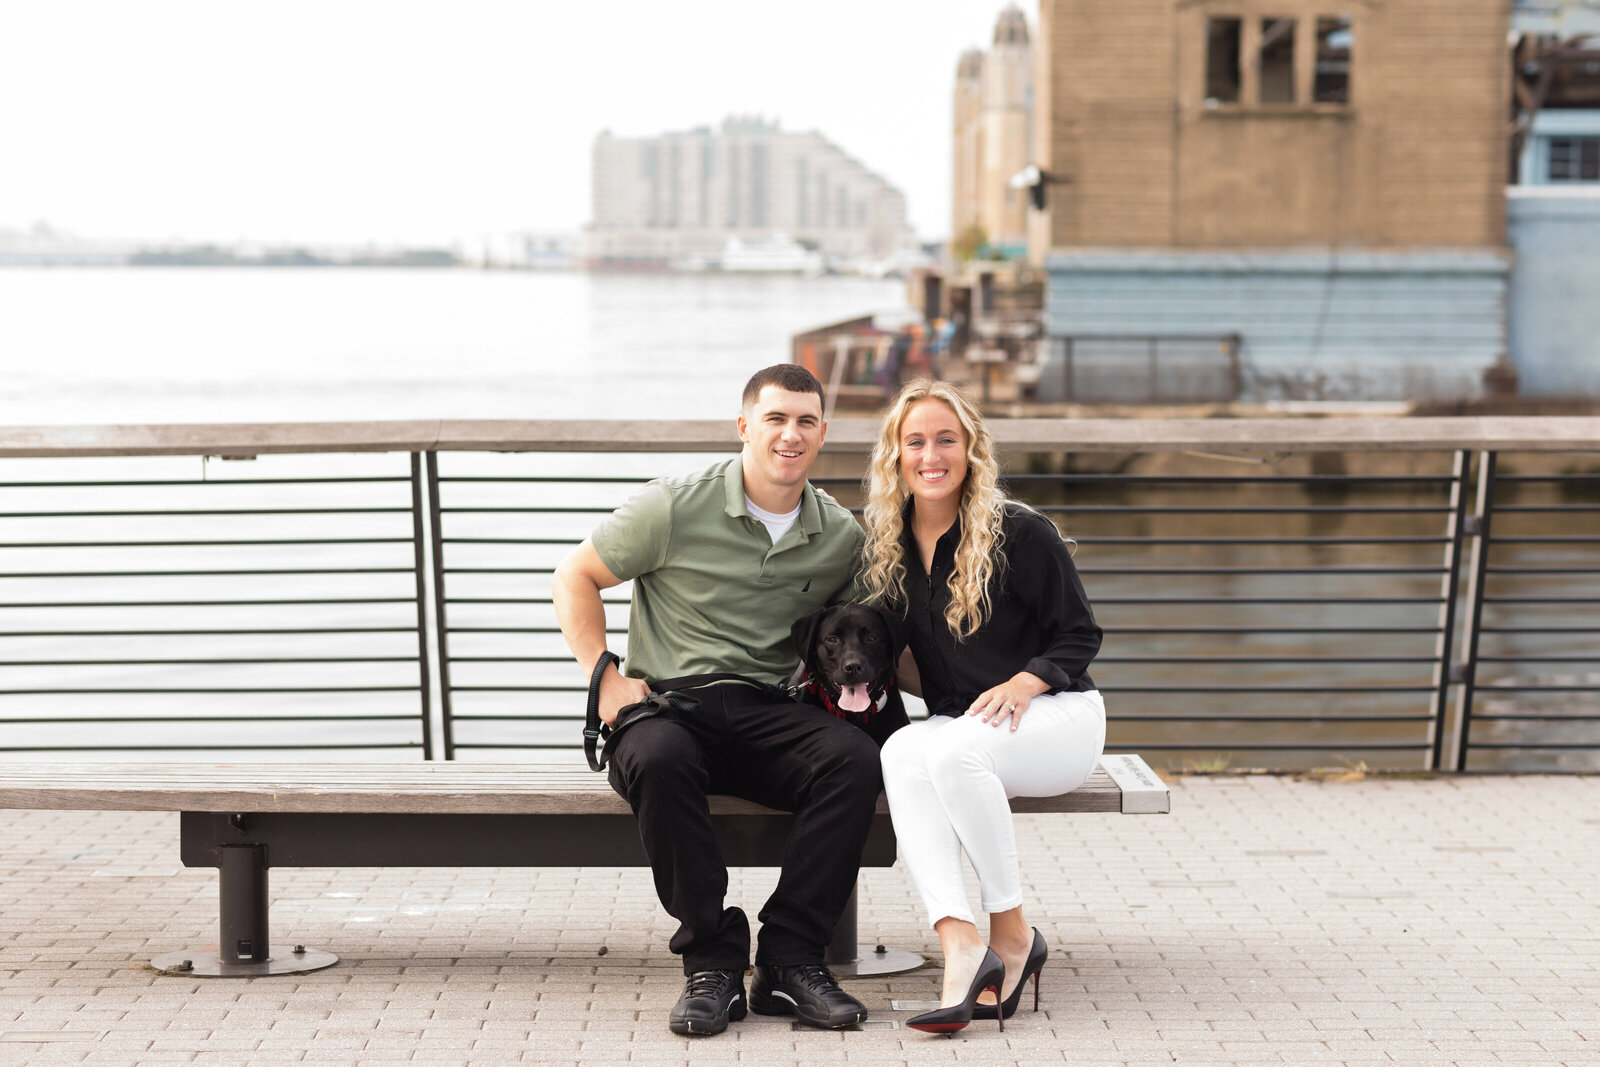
(591, 721)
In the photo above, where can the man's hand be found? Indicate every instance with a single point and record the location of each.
(617, 691)
(575, 588)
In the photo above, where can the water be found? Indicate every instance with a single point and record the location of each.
(153, 345)
(123, 346)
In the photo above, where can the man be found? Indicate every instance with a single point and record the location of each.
(723, 562)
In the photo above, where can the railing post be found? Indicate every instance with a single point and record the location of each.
(1468, 666)
(1150, 348)
(1443, 674)
(440, 618)
(419, 559)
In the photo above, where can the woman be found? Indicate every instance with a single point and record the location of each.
(1002, 635)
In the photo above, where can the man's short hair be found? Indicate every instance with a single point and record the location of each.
(790, 377)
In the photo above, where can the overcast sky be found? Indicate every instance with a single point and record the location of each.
(432, 122)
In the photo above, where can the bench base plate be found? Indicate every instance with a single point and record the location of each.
(207, 962)
(873, 960)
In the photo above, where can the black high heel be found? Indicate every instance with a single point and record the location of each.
(991, 975)
(1038, 952)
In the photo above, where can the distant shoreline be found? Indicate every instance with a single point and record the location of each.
(213, 256)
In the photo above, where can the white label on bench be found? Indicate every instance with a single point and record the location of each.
(1143, 791)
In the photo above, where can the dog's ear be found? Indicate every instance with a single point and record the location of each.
(893, 626)
(804, 633)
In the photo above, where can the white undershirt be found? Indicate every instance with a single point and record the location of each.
(777, 525)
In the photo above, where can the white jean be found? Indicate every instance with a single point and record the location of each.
(949, 780)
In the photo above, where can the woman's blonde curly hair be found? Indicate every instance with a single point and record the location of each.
(982, 509)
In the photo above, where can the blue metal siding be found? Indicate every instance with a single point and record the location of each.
(1359, 325)
(1555, 309)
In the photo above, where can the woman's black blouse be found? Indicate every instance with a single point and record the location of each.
(1040, 620)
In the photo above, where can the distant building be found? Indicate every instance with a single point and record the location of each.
(1554, 206)
(677, 200)
(548, 250)
(993, 135)
(1555, 52)
(1322, 180)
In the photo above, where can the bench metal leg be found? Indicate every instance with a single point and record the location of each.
(847, 959)
(246, 950)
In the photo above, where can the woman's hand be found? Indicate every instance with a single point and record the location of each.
(1008, 700)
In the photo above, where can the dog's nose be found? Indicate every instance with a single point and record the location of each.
(852, 669)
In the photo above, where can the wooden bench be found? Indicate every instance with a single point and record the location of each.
(245, 820)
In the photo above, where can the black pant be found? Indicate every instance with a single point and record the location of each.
(788, 756)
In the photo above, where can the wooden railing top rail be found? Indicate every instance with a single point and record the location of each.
(1306, 434)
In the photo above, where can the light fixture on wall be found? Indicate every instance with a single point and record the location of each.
(1033, 179)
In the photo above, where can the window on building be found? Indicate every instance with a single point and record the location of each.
(1222, 59)
(1575, 159)
(1275, 61)
(1331, 81)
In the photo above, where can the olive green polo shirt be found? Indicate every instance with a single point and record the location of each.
(711, 593)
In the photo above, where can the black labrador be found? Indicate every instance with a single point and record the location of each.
(848, 654)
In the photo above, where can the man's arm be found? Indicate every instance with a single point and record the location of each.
(575, 589)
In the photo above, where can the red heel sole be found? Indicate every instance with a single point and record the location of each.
(937, 1028)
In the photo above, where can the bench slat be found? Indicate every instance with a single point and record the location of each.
(421, 788)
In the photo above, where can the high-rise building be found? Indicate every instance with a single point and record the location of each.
(993, 131)
(677, 199)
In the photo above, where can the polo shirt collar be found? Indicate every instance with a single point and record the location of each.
(733, 482)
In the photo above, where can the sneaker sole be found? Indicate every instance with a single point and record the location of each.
(686, 1027)
(769, 1005)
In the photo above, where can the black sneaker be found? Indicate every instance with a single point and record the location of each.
(808, 992)
(710, 999)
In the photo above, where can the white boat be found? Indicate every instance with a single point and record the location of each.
(778, 254)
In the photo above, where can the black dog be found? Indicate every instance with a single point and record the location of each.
(848, 654)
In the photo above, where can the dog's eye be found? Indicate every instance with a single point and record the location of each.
(869, 637)
(831, 639)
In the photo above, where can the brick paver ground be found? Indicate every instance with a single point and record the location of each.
(1267, 920)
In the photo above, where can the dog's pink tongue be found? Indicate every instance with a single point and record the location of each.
(854, 698)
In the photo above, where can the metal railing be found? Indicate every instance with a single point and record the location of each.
(133, 606)
(1145, 368)
(1278, 593)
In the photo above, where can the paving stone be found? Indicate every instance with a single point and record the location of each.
(1445, 920)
